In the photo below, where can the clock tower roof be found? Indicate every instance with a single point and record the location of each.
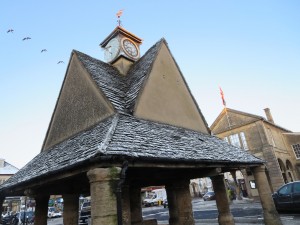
(117, 31)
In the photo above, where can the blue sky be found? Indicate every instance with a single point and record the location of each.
(249, 48)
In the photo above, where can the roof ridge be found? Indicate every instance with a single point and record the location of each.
(101, 148)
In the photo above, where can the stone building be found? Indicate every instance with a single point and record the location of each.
(293, 146)
(126, 124)
(262, 138)
(6, 170)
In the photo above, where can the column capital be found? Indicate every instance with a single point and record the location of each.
(258, 169)
(104, 174)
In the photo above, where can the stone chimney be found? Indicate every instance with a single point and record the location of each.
(1, 163)
(269, 115)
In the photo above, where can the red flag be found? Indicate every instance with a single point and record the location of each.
(222, 96)
(119, 13)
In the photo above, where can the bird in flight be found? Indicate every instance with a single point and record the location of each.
(60, 62)
(10, 31)
(26, 38)
(44, 50)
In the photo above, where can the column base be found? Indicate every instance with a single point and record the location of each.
(225, 219)
(272, 218)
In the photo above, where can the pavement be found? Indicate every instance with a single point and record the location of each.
(286, 219)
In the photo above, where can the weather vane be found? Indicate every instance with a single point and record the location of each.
(119, 14)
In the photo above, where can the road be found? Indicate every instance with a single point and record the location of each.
(208, 210)
(245, 212)
(205, 212)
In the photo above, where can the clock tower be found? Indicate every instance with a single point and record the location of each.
(121, 49)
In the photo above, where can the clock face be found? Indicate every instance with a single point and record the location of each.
(130, 48)
(112, 49)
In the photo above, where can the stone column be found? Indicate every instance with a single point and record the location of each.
(237, 186)
(41, 209)
(136, 205)
(180, 203)
(103, 183)
(126, 213)
(71, 209)
(271, 216)
(225, 217)
(244, 172)
(2, 198)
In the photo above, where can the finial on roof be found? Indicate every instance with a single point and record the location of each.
(119, 14)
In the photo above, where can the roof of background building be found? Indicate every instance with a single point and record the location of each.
(8, 169)
(246, 114)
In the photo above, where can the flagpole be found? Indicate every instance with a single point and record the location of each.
(224, 104)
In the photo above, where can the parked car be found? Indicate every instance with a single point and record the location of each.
(287, 197)
(54, 213)
(10, 219)
(210, 195)
(85, 213)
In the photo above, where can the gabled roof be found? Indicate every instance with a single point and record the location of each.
(120, 90)
(255, 117)
(123, 135)
(8, 169)
(138, 73)
(107, 78)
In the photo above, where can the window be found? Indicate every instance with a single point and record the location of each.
(296, 149)
(244, 142)
(234, 140)
(238, 140)
(285, 190)
(296, 187)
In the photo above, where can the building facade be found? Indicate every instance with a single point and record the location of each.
(263, 138)
(6, 170)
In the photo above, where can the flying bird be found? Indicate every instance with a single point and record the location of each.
(10, 31)
(26, 38)
(44, 50)
(60, 62)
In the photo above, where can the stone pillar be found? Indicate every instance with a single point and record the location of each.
(126, 213)
(136, 205)
(41, 209)
(180, 203)
(71, 209)
(225, 217)
(2, 198)
(271, 216)
(103, 183)
(237, 186)
(248, 188)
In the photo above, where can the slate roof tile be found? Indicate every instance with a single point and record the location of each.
(107, 78)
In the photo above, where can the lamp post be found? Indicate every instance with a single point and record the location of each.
(24, 217)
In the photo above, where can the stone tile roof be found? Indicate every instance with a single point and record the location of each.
(107, 78)
(124, 135)
(120, 90)
(138, 73)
